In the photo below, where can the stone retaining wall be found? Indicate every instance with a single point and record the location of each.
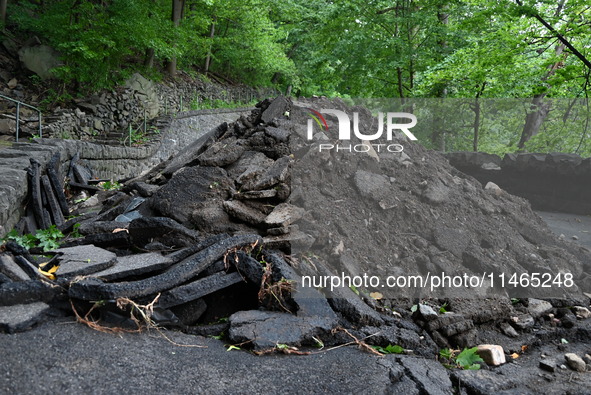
(106, 162)
(551, 182)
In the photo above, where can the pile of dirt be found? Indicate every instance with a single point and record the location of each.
(237, 223)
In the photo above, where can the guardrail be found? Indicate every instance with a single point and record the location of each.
(18, 109)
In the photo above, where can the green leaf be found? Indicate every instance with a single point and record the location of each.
(390, 349)
(468, 358)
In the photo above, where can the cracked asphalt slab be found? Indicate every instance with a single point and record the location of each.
(65, 357)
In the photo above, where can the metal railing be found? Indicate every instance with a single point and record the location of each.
(18, 109)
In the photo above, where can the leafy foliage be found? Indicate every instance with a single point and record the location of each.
(467, 359)
(47, 239)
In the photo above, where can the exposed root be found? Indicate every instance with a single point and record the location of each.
(279, 290)
(361, 343)
(86, 320)
(283, 349)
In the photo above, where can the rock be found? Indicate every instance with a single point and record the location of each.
(132, 265)
(275, 174)
(436, 193)
(492, 354)
(427, 312)
(581, 312)
(508, 330)
(493, 188)
(90, 202)
(148, 92)
(278, 134)
(22, 316)
(431, 377)
(575, 362)
(222, 153)
(188, 189)
(265, 329)
(7, 126)
(83, 260)
(548, 365)
(39, 59)
(12, 83)
(536, 307)
(283, 215)
(523, 321)
(276, 109)
(243, 212)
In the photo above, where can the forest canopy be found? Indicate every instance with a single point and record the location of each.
(537, 51)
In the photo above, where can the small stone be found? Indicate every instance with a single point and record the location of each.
(575, 362)
(12, 83)
(427, 312)
(568, 321)
(563, 367)
(90, 202)
(575, 237)
(493, 188)
(548, 365)
(536, 307)
(581, 312)
(492, 354)
(508, 330)
(523, 321)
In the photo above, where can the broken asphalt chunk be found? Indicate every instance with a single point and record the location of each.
(95, 289)
(83, 260)
(132, 265)
(22, 317)
(197, 289)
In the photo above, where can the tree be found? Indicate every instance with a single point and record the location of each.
(176, 16)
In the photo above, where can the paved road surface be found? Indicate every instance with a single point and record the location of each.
(569, 225)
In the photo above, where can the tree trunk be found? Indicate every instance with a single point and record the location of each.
(540, 109)
(177, 13)
(149, 58)
(534, 119)
(211, 36)
(3, 4)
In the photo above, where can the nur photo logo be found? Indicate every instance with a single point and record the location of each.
(392, 123)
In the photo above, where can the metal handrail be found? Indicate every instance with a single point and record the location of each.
(18, 108)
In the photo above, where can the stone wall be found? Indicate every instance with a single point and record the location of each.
(551, 182)
(106, 162)
(106, 117)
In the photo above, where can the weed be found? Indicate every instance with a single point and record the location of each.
(46, 238)
(468, 359)
(110, 185)
(389, 349)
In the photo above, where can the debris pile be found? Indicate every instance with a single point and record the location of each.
(228, 227)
